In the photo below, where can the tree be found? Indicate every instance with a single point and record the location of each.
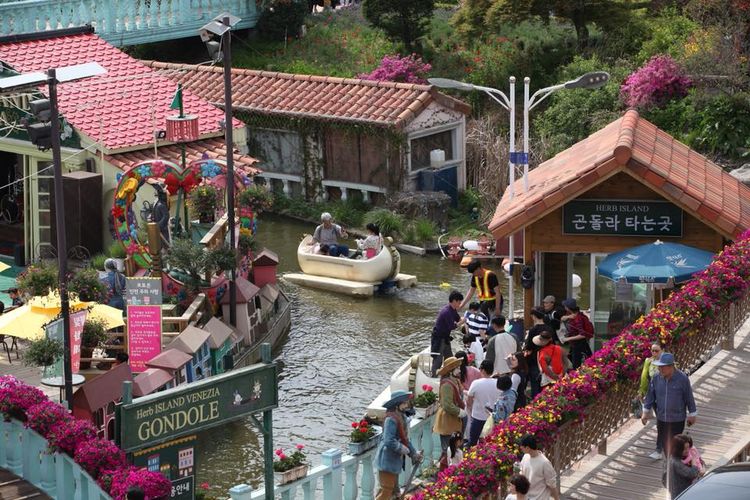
(404, 21)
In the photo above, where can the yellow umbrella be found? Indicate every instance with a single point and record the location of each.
(27, 322)
(4, 266)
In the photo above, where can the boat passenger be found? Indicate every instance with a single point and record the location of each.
(395, 445)
(327, 235)
(373, 243)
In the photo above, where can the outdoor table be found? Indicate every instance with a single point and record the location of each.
(59, 382)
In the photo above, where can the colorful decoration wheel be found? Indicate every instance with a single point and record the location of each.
(175, 179)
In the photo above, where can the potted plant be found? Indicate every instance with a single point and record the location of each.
(37, 280)
(425, 404)
(255, 198)
(246, 243)
(288, 468)
(203, 203)
(93, 336)
(43, 353)
(117, 251)
(364, 436)
(87, 285)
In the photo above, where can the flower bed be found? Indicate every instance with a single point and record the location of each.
(671, 322)
(101, 458)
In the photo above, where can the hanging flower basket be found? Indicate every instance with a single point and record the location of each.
(427, 411)
(291, 475)
(370, 443)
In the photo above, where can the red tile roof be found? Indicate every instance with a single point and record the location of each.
(214, 148)
(318, 97)
(115, 108)
(635, 146)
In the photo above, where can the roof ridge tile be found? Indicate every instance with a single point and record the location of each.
(624, 147)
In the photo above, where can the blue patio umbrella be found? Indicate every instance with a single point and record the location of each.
(656, 262)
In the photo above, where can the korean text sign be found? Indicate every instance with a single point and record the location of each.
(622, 217)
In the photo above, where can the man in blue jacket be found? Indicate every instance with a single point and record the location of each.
(395, 445)
(671, 393)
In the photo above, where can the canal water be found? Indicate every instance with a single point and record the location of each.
(339, 355)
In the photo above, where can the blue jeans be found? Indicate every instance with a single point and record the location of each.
(338, 250)
(475, 429)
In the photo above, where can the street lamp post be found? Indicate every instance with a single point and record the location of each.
(591, 80)
(221, 26)
(52, 78)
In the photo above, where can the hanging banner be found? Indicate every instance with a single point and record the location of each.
(54, 330)
(622, 217)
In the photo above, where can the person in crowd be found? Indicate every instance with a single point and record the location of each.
(497, 326)
(473, 346)
(499, 347)
(487, 287)
(372, 244)
(469, 372)
(530, 349)
(476, 322)
(394, 445)
(553, 313)
(455, 448)
(538, 470)
(579, 331)
(450, 413)
(482, 394)
(15, 297)
(121, 358)
(506, 401)
(649, 371)
(519, 372)
(2, 307)
(671, 388)
(115, 280)
(549, 357)
(327, 235)
(518, 486)
(447, 321)
(693, 456)
(679, 475)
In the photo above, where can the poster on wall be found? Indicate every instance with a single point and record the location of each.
(143, 299)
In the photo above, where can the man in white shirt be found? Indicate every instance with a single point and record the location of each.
(538, 470)
(499, 348)
(473, 346)
(482, 394)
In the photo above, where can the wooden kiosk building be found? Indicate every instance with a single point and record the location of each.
(625, 185)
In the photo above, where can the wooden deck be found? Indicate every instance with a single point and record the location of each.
(13, 487)
(723, 425)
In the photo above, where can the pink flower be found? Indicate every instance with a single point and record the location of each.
(302, 447)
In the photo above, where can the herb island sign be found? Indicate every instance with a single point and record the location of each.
(200, 405)
(622, 217)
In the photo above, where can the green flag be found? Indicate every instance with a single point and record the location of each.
(177, 99)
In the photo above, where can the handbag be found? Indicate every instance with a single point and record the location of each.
(489, 424)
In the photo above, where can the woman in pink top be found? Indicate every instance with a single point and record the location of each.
(469, 373)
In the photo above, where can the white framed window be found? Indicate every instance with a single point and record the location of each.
(421, 143)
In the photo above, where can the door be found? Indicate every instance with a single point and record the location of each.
(40, 210)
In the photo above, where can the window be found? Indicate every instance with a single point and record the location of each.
(280, 151)
(421, 147)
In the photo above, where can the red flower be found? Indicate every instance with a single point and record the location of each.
(355, 425)
(300, 447)
(204, 486)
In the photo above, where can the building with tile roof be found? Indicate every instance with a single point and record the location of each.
(110, 121)
(324, 136)
(194, 342)
(625, 185)
(96, 399)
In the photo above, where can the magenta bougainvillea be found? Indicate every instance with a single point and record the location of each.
(409, 69)
(657, 82)
(101, 458)
(671, 322)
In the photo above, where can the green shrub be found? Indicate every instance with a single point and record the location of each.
(38, 280)
(87, 285)
(389, 222)
(350, 212)
(409, 235)
(116, 250)
(724, 126)
(425, 230)
(668, 33)
(94, 333)
(282, 19)
(43, 352)
(97, 261)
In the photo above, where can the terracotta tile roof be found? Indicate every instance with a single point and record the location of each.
(115, 108)
(190, 340)
(633, 145)
(319, 97)
(246, 291)
(214, 148)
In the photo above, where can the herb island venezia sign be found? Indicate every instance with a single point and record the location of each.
(622, 217)
(200, 405)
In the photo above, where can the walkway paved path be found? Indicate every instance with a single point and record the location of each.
(29, 374)
(723, 400)
(13, 487)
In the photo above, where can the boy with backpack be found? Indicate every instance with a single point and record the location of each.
(580, 331)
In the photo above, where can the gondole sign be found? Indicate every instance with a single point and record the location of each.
(184, 410)
(622, 218)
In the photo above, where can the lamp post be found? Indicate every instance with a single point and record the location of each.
(221, 26)
(48, 110)
(591, 80)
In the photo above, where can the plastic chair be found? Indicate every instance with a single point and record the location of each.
(13, 344)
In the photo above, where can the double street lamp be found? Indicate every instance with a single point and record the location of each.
(47, 135)
(592, 80)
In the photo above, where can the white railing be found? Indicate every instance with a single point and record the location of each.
(26, 454)
(345, 187)
(286, 180)
(348, 477)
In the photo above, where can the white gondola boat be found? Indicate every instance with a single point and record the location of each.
(384, 266)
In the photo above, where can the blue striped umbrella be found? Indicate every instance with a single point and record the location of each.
(656, 262)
